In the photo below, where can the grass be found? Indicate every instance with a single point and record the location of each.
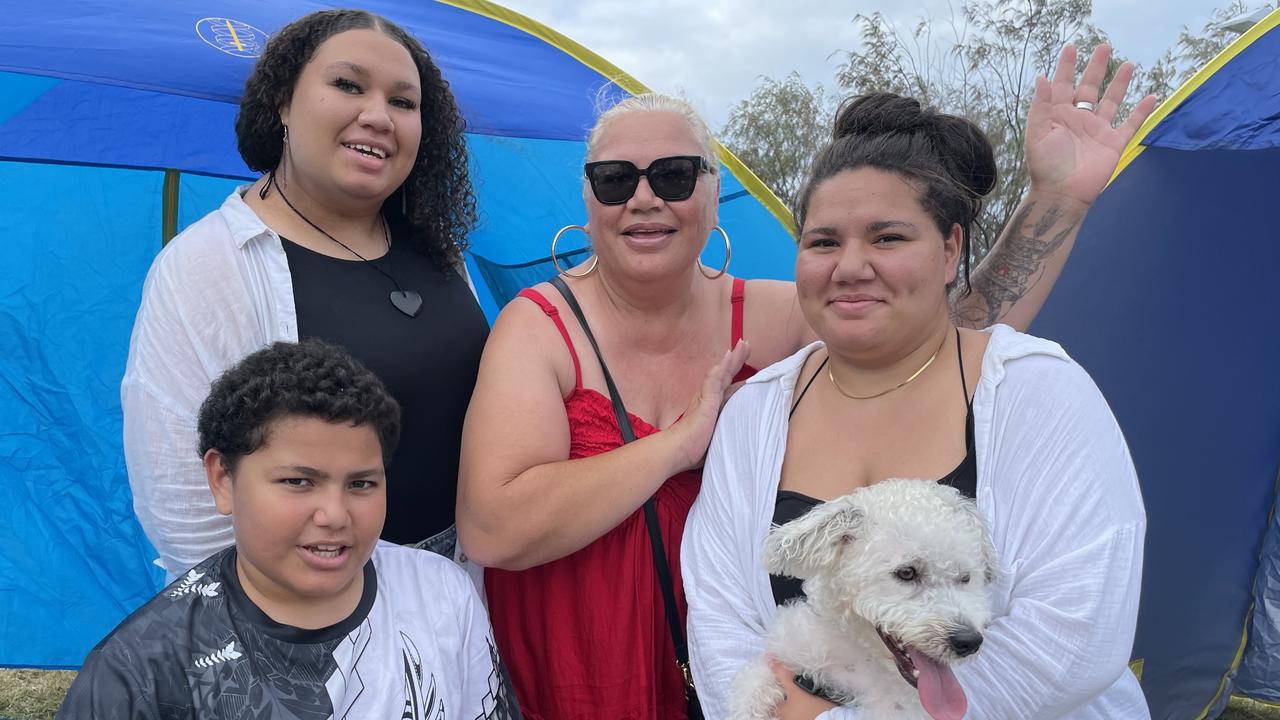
(36, 694)
(32, 694)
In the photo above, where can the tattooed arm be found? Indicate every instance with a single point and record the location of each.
(1014, 280)
(1071, 154)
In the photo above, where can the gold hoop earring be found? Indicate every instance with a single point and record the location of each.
(595, 260)
(728, 253)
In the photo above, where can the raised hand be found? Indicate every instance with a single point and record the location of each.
(1072, 143)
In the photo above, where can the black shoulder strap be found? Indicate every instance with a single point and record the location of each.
(650, 512)
(628, 435)
(970, 446)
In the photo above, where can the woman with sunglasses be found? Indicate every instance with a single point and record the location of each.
(550, 496)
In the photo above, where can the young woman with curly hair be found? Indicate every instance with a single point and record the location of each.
(353, 235)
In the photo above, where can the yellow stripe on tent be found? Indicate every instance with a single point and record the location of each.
(1135, 146)
(1235, 662)
(565, 44)
(1259, 708)
(584, 55)
(1248, 616)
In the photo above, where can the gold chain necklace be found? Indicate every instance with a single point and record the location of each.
(914, 375)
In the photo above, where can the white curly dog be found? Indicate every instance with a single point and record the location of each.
(895, 576)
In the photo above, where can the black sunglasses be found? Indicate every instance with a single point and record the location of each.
(670, 178)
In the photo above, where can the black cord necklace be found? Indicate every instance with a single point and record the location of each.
(408, 302)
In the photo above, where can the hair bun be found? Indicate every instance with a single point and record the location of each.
(879, 114)
(960, 146)
(972, 159)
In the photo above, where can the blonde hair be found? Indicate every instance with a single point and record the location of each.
(657, 102)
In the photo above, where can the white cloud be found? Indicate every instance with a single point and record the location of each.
(715, 51)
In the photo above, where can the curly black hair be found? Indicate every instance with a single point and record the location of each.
(947, 157)
(439, 207)
(312, 379)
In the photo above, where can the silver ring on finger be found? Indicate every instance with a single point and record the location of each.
(1086, 105)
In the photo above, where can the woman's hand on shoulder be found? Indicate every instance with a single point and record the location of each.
(1072, 151)
(693, 430)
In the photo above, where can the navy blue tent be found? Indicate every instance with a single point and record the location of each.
(1170, 302)
(116, 130)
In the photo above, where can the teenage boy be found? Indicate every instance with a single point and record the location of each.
(308, 615)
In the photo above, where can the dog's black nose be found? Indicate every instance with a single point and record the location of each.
(965, 642)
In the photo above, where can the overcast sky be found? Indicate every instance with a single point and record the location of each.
(714, 51)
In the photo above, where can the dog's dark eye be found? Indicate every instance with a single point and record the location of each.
(906, 573)
(964, 579)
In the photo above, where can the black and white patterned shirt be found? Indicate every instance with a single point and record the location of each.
(417, 647)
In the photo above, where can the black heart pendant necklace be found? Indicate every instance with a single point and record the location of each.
(408, 302)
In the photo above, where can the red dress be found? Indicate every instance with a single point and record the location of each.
(585, 637)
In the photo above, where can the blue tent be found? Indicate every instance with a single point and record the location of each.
(116, 130)
(1170, 302)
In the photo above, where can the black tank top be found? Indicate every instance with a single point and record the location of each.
(790, 505)
(428, 363)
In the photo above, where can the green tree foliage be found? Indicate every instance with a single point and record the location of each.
(1194, 49)
(980, 63)
(776, 130)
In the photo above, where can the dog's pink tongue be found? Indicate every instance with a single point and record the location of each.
(940, 693)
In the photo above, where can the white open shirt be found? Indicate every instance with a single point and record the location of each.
(1059, 492)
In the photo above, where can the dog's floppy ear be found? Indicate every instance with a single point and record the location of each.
(803, 546)
(990, 568)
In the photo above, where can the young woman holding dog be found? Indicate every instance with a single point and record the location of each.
(895, 389)
(554, 509)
